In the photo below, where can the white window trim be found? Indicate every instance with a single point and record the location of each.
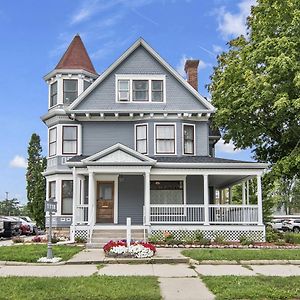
(132, 77)
(147, 137)
(49, 94)
(175, 132)
(170, 178)
(59, 141)
(57, 136)
(182, 136)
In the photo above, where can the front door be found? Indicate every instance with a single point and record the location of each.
(105, 202)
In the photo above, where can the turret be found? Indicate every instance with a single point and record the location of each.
(73, 74)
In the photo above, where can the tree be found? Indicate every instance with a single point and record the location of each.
(36, 183)
(9, 207)
(256, 87)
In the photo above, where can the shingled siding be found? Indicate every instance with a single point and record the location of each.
(97, 136)
(178, 98)
(131, 199)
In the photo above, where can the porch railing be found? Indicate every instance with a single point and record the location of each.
(233, 214)
(169, 214)
(82, 214)
(194, 214)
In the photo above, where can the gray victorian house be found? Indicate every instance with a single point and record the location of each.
(135, 141)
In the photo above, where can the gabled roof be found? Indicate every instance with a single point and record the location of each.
(76, 57)
(127, 53)
(117, 154)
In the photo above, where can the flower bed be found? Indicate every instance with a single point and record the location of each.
(136, 249)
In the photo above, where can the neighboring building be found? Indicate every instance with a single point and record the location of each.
(135, 141)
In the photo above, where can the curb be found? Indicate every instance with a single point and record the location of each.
(244, 262)
(18, 263)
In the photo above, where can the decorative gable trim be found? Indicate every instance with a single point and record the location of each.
(118, 154)
(141, 42)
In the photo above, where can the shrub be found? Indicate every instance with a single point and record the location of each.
(245, 241)
(198, 236)
(204, 241)
(37, 239)
(153, 239)
(273, 236)
(18, 240)
(80, 240)
(292, 238)
(220, 239)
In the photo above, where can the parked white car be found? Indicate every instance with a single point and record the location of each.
(277, 224)
(292, 225)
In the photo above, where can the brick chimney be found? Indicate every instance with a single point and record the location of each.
(191, 69)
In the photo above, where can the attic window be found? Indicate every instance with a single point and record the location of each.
(140, 88)
(70, 90)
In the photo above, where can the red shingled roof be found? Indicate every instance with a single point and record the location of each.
(76, 57)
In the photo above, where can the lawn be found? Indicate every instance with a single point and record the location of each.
(242, 254)
(94, 287)
(256, 287)
(31, 253)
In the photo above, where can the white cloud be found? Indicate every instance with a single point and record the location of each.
(227, 148)
(18, 162)
(180, 66)
(217, 49)
(234, 24)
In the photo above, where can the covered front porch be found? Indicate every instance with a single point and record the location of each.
(158, 198)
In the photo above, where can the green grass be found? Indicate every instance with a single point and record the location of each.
(242, 254)
(94, 287)
(256, 287)
(31, 253)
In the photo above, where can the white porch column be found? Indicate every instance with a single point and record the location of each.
(75, 200)
(91, 199)
(230, 194)
(247, 193)
(147, 197)
(206, 200)
(259, 200)
(243, 193)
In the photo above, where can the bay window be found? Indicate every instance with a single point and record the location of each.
(167, 192)
(53, 94)
(70, 90)
(165, 139)
(188, 139)
(67, 197)
(52, 141)
(70, 140)
(52, 189)
(141, 138)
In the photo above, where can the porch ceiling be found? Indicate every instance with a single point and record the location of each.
(222, 181)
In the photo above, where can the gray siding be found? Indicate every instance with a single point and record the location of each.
(131, 199)
(178, 98)
(97, 136)
(194, 189)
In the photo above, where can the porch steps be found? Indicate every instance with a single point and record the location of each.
(101, 236)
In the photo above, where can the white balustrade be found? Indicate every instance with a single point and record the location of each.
(168, 214)
(233, 214)
(82, 212)
(194, 214)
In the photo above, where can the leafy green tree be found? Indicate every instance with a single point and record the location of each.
(256, 87)
(9, 207)
(36, 183)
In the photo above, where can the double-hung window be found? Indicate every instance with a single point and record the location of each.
(141, 138)
(67, 197)
(52, 141)
(53, 94)
(70, 140)
(123, 90)
(70, 90)
(165, 139)
(188, 139)
(140, 90)
(52, 189)
(157, 90)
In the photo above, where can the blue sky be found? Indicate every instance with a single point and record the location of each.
(34, 35)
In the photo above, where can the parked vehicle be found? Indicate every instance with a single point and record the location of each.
(276, 224)
(292, 225)
(11, 227)
(26, 228)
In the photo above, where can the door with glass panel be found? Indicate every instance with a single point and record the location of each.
(105, 202)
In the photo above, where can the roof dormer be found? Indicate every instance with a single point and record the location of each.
(72, 75)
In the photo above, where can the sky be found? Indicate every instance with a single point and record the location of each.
(35, 34)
